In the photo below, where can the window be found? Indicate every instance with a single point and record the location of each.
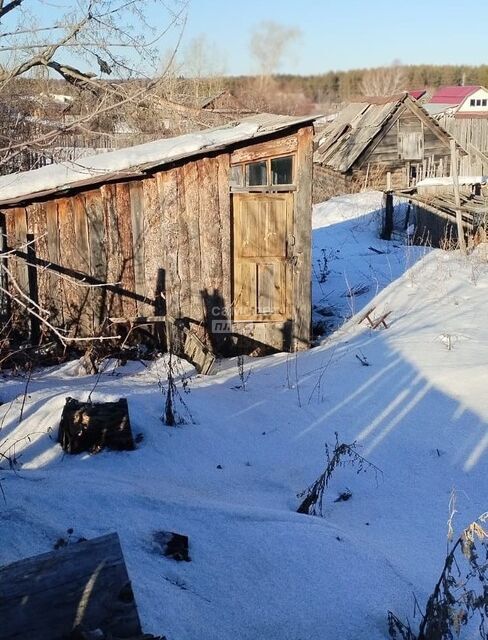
(256, 174)
(472, 102)
(411, 145)
(478, 102)
(236, 176)
(264, 173)
(282, 170)
(484, 102)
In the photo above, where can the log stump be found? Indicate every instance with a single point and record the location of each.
(92, 426)
(172, 545)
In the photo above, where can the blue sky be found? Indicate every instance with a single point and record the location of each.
(335, 34)
(344, 34)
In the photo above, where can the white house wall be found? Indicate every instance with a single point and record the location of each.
(478, 96)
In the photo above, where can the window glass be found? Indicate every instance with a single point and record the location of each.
(282, 170)
(256, 174)
(472, 102)
(236, 176)
(478, 103)
(484, 102)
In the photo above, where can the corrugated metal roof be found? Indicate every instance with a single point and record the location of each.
(416, 94)
(435, 109)
(453, 95)
(136, 161)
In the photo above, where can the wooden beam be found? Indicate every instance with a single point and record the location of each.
(479, 154)
(457, 199)
(252, 152)
(432, 208)
(47, 596)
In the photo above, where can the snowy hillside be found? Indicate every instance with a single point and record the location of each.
(229, 480)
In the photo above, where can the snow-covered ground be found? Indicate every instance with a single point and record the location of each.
(259, 569)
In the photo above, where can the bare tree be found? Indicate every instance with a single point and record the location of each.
(271, 42)
(384, 81)
(105, 51)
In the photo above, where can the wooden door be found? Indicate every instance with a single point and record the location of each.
(262, 223)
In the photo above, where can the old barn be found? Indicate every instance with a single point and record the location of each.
(374, 137)
(210, 228)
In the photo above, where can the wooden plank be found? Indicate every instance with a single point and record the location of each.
(268, 288)
(154, 253)
(279, 147)
(302, 233)
(47, 596)
(455, 180)
(192, 212)
(53, 257)
(39, 278)
(210, 237)
(223, 161)
(245, 291)
(137, 220)
(126, 276)
(183, 265)
(81, 262)
(168, 194)
(76, 302)
(20, 241)
(94, 220)
(115, 261)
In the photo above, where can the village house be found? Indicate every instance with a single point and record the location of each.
(463, 113)
(210, 228)
(375, 137)
(462, 102)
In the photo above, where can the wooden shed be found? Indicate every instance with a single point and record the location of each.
(374, 137)
(212, 228)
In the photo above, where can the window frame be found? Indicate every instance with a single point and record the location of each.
(269, 186)
(247, 171)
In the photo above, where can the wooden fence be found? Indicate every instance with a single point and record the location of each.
(468, 132)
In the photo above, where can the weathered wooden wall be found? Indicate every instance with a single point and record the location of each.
(467, 130)
(385, 156)
(382, 157)
(159, 243)
(328, 183)
(155, 245)
(432, 230)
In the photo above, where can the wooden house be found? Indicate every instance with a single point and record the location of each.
(374, 137)
(210, 228)
(462, 101)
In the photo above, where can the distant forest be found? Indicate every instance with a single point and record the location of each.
(340, 86)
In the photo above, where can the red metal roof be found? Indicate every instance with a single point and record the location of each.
(453, 95)
(416, 94)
